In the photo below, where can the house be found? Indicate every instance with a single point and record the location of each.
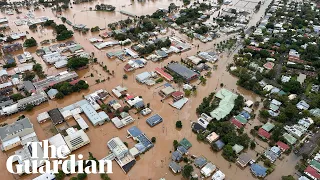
(312, 173)
(11, 134)
(284, 147)
(219, 175)
(289, 138)
(303, 105)
(197, 128)
(195, 60)
(182, 150)
(315, 164)
(258, 170)
(185, 143)
(43, 117)
(176, 156)
(180, 103)
(175, 167)
(264, 134)
(56, 116)
(163, 74)
(137, 135)
(28, 86)
(182, 71)
(212, 137)
(219, 144)
(208, 169)
(243, 160)
(52, 93)
(119, 123)
(177, 95)
(200, 161)
(268, 126)
(226, 104)
(301, 78)
(143, 77)
(203, 122)
(237, 148)
(166, 92)
(154, 120)
(271, 155)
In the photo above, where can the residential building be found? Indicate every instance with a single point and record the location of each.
(212, 137)
(175, 167)
(154, 120)
(219, 175)
(92, 115)
(237, 148)
(200, 161)
(312, 173)
(43, 117)
(11, 134)
(56, 116)
(226, 104)
(208, 169)
(243, 160)
(166, 92)
(140, 137)
(52, 93)
(258, 170)
(28, 86)
(184, 72)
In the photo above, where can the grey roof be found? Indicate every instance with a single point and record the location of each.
(6, 103)
(28, 86)
(200, 161)
(175, 166)
(244, 159)
(154, 120)
(52, 92)
(50, 81)
(15, 127)
(182, 70)
(56, 116)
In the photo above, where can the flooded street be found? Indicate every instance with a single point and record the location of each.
(154, 163)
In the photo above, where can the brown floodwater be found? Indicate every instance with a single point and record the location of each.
(154, 163)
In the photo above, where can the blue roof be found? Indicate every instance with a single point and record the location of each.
(112, 102)
(219, 144)
(10, 61)
(258, 170)
(182, 149)
(134, 131)
(245, 114)
(140, 147)
(176, 156)
(139, 104)
(167, 85)
(154, 120)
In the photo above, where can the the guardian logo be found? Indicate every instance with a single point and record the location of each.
(67, 166)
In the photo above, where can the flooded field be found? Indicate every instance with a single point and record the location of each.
(154, 163)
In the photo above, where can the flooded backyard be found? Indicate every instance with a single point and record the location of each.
(154, 163)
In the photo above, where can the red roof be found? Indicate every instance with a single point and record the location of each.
(74, 81)
(127, 67)
(236, 123)
(129, 97)
(177, 94)
(312, 172)
(264, 133)
(161, 72)
(282, 146)
(254, 48)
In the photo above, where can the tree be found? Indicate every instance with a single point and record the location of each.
(30, 42)
(29, 107)
(60, 175)
(252, 145)
(59, 95)
(33, 26)
(293, 87)
(267, 163)
(289, 177)
(77, 62)
(175, 144)
(28, 76)
(179, 124)
(16, 97)
(125, 76)
(63, 19)
(125, 143)
(264, 114)
(187, 171)
(105, 177)
(153, 139)
(126, 108)
(187, 92)
(228, 153)
(81, 176)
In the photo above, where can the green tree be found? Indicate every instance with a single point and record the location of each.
(16, 97)
(125, 76)
(30, 42)
(228, 153)
(153, 139)
(252, 145)
(60, 175)
(59, 95)
(175, 144)
(29, 107)
(77, 62)
(179, 124)
(63, 19)
(82, 176)
(28, 76)
(267, 163)
(187, 171)
(105, 177)
(289, 177)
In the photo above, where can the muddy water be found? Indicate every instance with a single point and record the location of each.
(153, 164)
